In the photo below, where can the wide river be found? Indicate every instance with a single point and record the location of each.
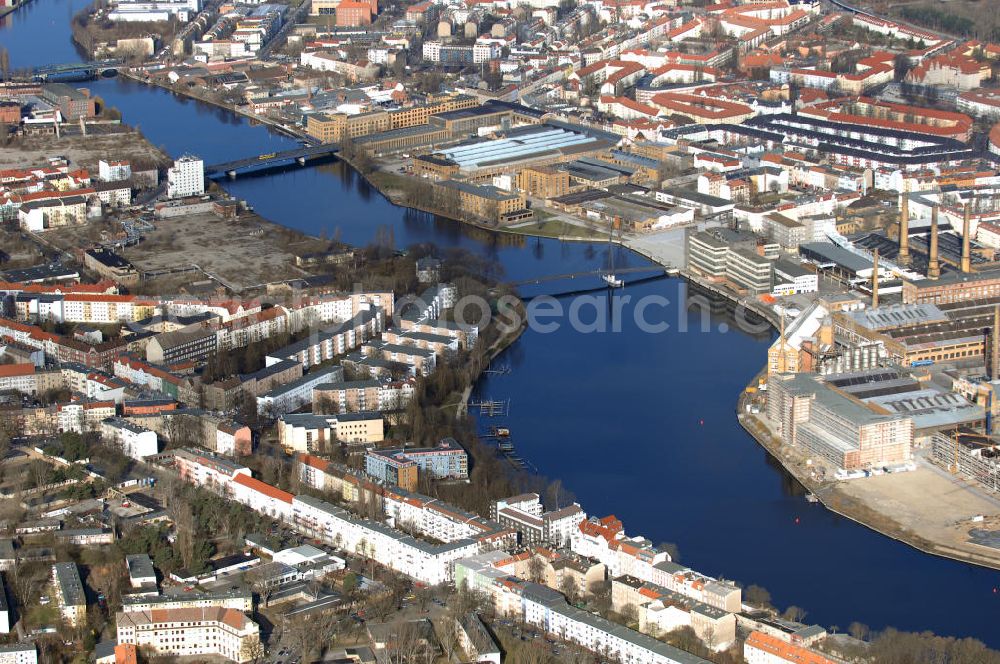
(636, 424)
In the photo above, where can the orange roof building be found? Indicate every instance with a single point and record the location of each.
(761, 648)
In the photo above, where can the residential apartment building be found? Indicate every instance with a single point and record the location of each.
(524, 513)
(186, 177)
(193, 342)
(761, 648)
(305, 432)
(227, 633)
(446, 460)
(132, 440)
(70, 596)
(292, 396)
(19, 653)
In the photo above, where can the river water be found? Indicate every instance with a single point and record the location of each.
(637, 424)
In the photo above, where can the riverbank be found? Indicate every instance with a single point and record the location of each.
(928, 507)
(833, 505)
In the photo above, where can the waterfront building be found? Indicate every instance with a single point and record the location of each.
(524, 513)
(749, 270)
(761, 648)
(488, 202)
(836, 426)
(72, 103)
(186, 177)
(661, 610)
(335, 127)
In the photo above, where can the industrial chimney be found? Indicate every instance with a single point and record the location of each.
(875, 280)
(904, 229)
(991, 350)
(966, 257)
(933, 268)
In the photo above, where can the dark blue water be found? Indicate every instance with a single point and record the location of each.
(635, 424)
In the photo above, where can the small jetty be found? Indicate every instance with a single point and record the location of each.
(492, 407)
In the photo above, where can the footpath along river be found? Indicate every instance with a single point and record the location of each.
(636, 424)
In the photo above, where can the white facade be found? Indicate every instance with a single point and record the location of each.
(188, 632)
(19, 653)
(113, 171)
(134, 441)
(186, 178)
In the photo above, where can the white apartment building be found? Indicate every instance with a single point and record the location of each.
(4, 612)
(113, 171)
(261, 497)
(238, 600)
(292, 396)
(548, 610)
(18, 378)
(186, 178)
(19, 653)
(425, 562)
(206, 470)
(227, 633)
(133, 440)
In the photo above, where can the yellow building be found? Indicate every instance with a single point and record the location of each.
(420, 114)
(543, 181)
(487, 202)
(333, 127)
(323, 7)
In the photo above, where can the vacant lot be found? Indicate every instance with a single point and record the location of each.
(83, 151)
(239, 254)
(928, 504)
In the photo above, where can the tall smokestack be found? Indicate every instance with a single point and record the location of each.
(875, 280)
(966, 257)
(904, 229)
(992, 350)
(933, 268)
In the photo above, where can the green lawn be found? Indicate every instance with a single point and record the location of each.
(545, 226)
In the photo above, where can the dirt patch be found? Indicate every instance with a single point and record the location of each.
(239, 254)
(84, 151)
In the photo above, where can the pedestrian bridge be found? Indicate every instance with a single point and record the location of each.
(298, 155)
